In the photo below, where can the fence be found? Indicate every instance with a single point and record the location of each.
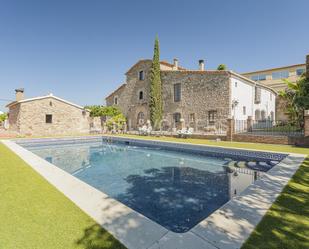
(267, 128)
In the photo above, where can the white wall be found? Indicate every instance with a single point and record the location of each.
(268, 103)
(244, 93)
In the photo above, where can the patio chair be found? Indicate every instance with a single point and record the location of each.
(188, 132)
(181, 133)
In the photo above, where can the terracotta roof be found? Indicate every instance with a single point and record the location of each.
(44, 97)
(275, 68)
(142, 60)
(120, 87)
(165, 63)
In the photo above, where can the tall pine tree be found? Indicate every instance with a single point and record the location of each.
(155, 105)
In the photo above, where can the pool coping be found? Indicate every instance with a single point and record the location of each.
(227, 227)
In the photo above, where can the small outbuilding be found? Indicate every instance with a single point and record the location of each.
(46, 115)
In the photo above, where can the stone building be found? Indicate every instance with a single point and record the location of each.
(46, 115)
(273, 78)
(202, 99)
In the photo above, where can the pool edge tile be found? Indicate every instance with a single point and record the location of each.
(132, 229)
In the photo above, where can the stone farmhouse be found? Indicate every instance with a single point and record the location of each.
(46, 115)
(201, 99)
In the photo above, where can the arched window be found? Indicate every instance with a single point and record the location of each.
(140, 118)
(116, 100)
(141, 95)
(257, 115)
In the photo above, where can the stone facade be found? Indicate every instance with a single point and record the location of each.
(202, 92)
(28, 117)
(205, 103)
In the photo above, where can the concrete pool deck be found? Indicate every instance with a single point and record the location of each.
(228, 227)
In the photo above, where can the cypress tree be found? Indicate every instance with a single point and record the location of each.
(155, 105)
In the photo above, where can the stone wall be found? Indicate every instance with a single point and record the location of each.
(13, 118)
(66, 118)
(201, 92)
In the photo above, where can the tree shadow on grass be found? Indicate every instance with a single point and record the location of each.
(96, 237)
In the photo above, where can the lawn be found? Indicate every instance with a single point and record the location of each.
(35, 215)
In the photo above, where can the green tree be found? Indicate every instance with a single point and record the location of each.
(155, 105)
(116, 122)
(3, 117)
(296, 96)
(221, 67)
(100, 111)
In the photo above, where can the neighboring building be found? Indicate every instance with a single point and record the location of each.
(201, 99)
(273, 78)
(46, 115)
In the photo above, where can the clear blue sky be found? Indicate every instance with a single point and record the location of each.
(80, 50)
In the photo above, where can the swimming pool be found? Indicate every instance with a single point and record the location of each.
(174, 185)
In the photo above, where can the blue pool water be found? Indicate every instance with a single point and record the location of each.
(174, 189)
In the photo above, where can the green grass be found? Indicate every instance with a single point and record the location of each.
(254, 146)
(286, 224)
(35, 215)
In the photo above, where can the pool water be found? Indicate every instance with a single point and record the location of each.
(175, 189)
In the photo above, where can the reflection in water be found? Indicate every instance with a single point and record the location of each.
(180, 197)
(176, 190)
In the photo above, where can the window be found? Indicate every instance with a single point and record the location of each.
(212, 116)
(263, 115)
(177, 117)
(257, 114)
(258, 77)
(257, 95)
(140, 118)
(300, 71)
(141, 75)
(177, 92)
(280, 75)
(244, 111)
(192, 117)
(116, 101)
(255, 77)
(141, 95)
(48, 118)
(235, 83)
(262, 77)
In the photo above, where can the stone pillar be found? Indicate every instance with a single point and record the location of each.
(306, 126)
(230, 129)
(307, 66)
(249, 124)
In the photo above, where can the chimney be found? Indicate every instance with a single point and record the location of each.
(19, 94)
(175, 66)
(307, 66)
(201, 65)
